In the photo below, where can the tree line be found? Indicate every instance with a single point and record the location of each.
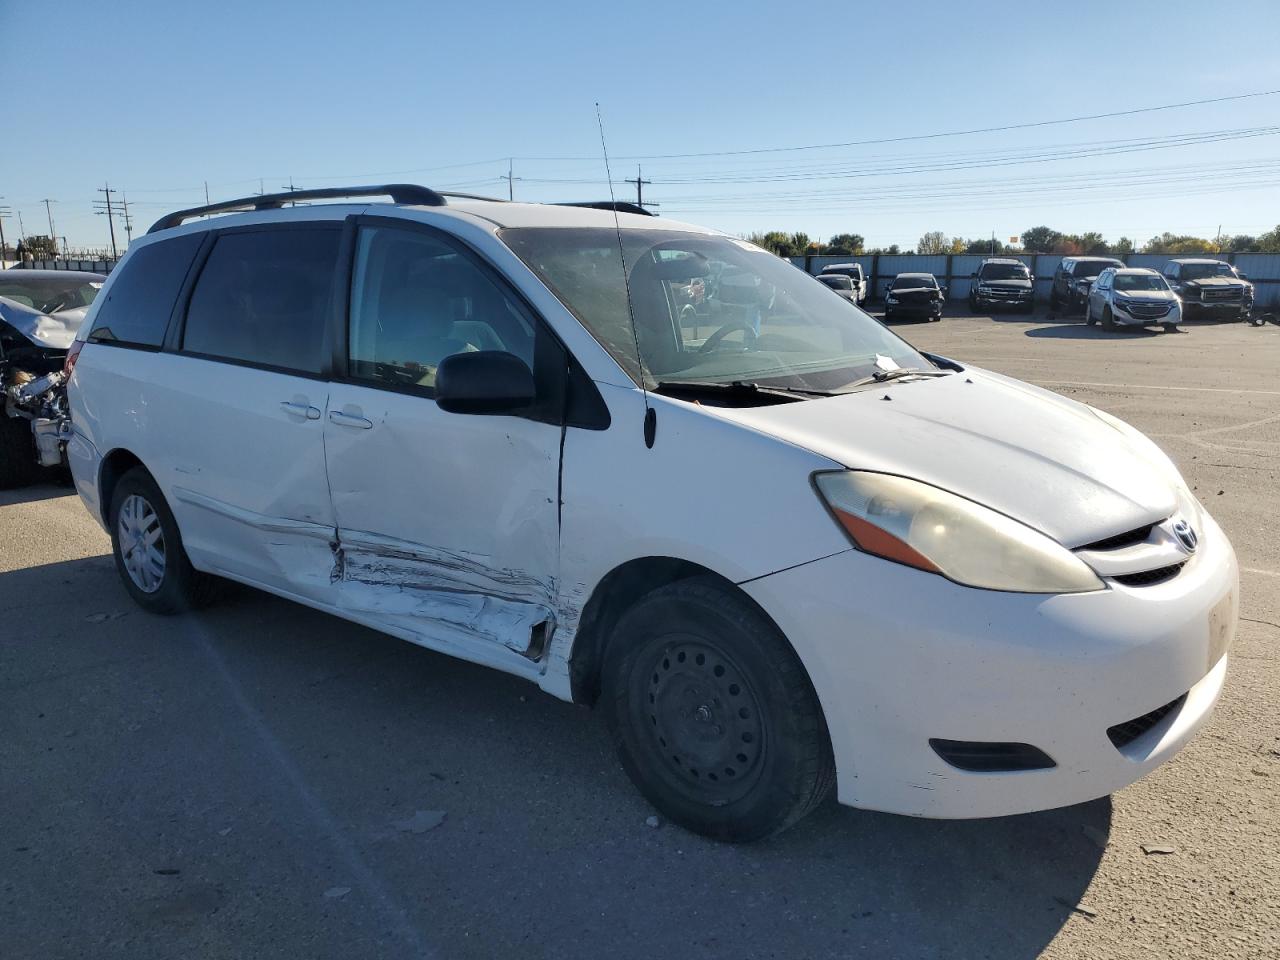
(1040, 239)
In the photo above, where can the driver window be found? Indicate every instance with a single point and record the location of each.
(415, 300)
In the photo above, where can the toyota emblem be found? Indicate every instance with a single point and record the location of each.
(1186, 536)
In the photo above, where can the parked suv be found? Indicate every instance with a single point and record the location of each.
(1002, 282)
(1132, 296)
(484, 427)
(1073, 279)
(914, 295)
(1209, 288)
(855, 273)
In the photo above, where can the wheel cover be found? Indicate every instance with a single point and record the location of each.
(705, 729)
(141, 541)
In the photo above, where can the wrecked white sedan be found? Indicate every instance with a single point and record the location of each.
(647, 464)
(40, 313)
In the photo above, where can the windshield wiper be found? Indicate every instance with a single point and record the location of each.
(882, 376)
(743, 388)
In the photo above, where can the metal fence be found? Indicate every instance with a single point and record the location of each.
(92, 266)
(956, 270)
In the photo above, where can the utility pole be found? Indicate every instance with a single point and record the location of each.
(291, 188)
(128, 221)
(53, 236)
(206, 193)
(22, 231)
(640, 183)
(511, 179)
(4, 212)
(106, 209)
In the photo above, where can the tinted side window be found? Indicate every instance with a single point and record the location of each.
(415, 300)
(137, 306)
(264, 297)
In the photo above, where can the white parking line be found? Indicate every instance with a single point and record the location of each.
(1148, 386)
(1265, 573)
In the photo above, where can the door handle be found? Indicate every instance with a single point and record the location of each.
(300, 409)
(349, 420)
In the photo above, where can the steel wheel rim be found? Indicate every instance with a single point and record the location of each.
(702, 721)
(141, 540)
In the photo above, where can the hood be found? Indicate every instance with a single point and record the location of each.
(1028, 453)
(915, 291)
(1012, 283)
(1215, 282)
(1152, 295)
(53, 331)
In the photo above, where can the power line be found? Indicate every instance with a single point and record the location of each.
(934, 136)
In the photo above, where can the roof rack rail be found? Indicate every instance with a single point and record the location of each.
(398, 192)
(618, 206)
(470, 196)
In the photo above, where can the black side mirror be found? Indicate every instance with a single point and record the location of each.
(974, 276)
(1242, 275)
(485, 382)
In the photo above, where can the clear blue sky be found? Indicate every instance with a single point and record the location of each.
(159, 97)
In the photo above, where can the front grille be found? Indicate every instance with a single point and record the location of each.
(1126, 539)
(1123, 734)
(1221, 294)
(1147, 310)
(984, 757)
(1148, 578)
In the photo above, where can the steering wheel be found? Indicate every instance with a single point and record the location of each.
(714, 340)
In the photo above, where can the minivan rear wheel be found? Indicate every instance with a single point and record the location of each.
(148, 549)
(713, 715)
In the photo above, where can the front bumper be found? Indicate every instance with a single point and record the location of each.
(898, 656)
(924, 308)
(1135, 318)
(1011, 298)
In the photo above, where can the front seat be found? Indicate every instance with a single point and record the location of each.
(417, 327)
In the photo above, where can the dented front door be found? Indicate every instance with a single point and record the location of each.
(447, 524)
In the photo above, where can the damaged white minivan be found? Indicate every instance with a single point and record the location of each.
(650, 465)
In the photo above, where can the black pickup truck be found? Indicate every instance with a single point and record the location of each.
(1074, 278)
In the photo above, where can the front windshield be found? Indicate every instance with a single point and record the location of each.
(708, 309)
(836, 282)
(1004, 271)
(1091, 268)
(1140, 281)
(49, 296)
(1198, 271)
(911, 283)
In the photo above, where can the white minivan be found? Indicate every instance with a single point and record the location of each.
(783, 548)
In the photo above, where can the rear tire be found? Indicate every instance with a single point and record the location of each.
(713, 715)
(18, 466)
(148, 551)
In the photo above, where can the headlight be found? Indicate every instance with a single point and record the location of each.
(930, 529)
(891, 299)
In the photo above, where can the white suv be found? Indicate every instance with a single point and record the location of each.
(781, 547)
(1132, 297)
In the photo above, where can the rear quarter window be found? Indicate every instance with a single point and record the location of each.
(135, 311)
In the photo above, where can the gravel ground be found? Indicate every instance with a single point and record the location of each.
(264, 780)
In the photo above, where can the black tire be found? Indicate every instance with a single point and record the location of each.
(18, 466)
(1108, 321)
(888, 315)
(178, 586)
(713, 715)
(1054, 301)
(973, 305)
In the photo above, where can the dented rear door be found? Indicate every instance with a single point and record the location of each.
(447, 524)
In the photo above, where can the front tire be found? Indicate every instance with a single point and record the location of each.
(18, 466)
(713, 715)
(1108, 320)
(148, 551)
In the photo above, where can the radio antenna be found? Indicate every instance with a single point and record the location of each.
(650, 415)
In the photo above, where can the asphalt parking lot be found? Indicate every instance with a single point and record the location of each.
(264, 780)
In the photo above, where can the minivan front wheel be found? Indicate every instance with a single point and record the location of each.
(713, 715)
(148, 549)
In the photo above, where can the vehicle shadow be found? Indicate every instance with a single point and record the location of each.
(273, 755)
(45, 490)
(1082, 331)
